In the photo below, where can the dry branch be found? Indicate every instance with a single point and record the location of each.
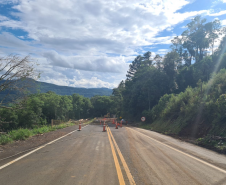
(17, 75)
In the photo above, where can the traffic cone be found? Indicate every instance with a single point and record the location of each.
(80, 127)
(116, 125)
(104, 127)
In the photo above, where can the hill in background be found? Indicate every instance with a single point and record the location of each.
(43, 87)
(65, 90)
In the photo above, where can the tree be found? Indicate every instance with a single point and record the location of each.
(87, 106)
(118, 99)
(16, 76)
(101, 105)
(194, 43)
(65, 106)
(170, 64)
(51, 105)
(158, 62)
(195, 38)
(222, 47)
(213, 30)
(134, 67)
(147, 61)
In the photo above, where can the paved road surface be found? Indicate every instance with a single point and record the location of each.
(119, 156)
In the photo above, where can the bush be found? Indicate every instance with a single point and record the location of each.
(4, 139)
(20, 134)
(41, 130)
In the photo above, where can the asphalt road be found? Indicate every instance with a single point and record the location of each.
(119, 156)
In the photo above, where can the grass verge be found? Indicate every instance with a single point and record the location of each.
(24, 133)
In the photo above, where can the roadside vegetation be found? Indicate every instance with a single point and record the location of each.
(24, 133)
(39, 109)
(184, 92)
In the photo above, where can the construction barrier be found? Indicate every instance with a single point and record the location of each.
(116, 125)
(104, 127)
(80, 127)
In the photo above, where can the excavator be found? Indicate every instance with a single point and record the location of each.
(107, 115)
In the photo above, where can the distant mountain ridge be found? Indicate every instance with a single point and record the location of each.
(43, 87)
(65, 90)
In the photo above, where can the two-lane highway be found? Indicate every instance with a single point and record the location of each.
(119, 156)
(83, 157)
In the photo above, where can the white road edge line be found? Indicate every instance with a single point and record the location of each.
(21, 157)
(197, 159)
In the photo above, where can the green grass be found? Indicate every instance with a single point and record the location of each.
(5, 139)
(22, 134)
(41, 130)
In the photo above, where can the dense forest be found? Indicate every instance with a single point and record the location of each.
(39, 109)
(183, 92)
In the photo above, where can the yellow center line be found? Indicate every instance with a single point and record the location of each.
(129, 175)
(118, 169)
(188, 155)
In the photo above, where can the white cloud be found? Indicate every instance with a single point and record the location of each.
(162, 51)
(106, 26)
(3, 18)
(90, 36)
(88, 63)
(9, 1)
(217, 14)
(223, 22)
(78, 78)
(94, 82)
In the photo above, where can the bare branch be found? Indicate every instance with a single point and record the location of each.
(17, 75)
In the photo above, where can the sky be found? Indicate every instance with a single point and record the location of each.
(90, 43)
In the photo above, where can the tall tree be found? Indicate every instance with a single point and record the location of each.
(133, 67)
(77, 102)
(170, 63)
(194, 43)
